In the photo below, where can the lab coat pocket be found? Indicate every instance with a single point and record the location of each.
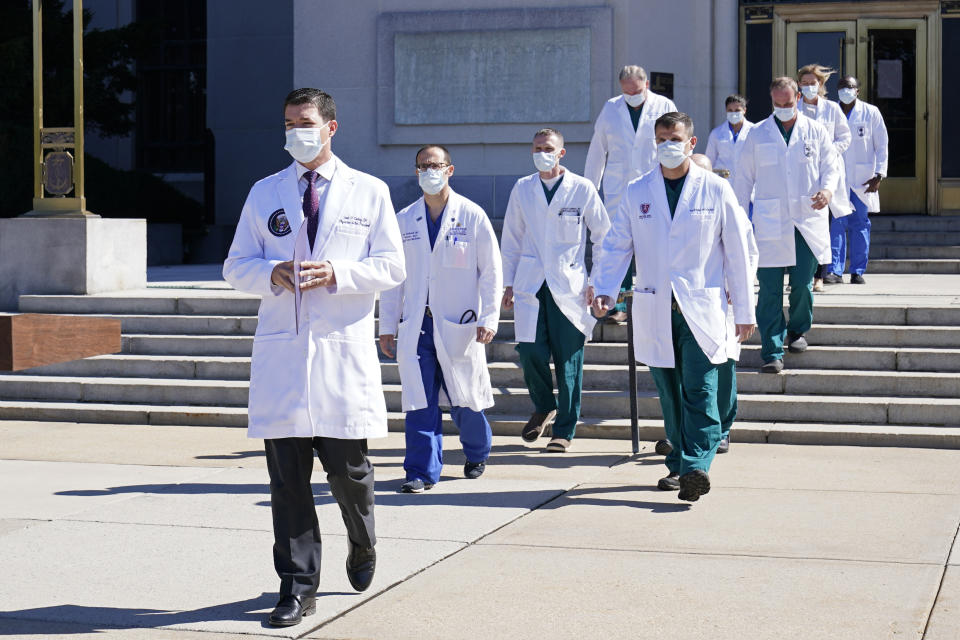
(458, 339)
(768, 154)
(569, 229)
(707, 318)
(455, 255)
(766, 220)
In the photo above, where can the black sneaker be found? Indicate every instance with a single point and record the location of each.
(663, 447)
(670, 482)
(796, 343)
(415, 486)
(857, 279)
(474, 470)
(774, 366)
(832, 278)
(724, 445)
(694, 484)
(536, 425)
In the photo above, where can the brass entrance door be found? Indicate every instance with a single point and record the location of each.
(888, 57)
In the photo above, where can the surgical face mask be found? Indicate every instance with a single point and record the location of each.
(672, 154)
(636, 99)
(847, 95)
(545, 161)
(734, 117)
(784, 114)
(432, 181)
(810, 91)
(304, 144)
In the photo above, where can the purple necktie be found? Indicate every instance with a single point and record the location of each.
(311, 206)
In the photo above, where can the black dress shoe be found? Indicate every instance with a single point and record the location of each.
(774, 366)
(474, 470)
(663, 447)
(857, 279)
(361, 563)
(694, 484)
(291, 609)
(832, 278)
(670, 482)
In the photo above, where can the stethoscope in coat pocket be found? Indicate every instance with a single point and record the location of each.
(468, 316)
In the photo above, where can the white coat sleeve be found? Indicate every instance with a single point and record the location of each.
(740, 257)
(598, 221)
(597, 152)
(245, 267)
(511, 238)
(490, 273)
(830, 163)
(841, 132)
(610, 270)
(712, 149)
(391, 306)
(745, 174)
(383, 267)
(671, 105)
(880, 143)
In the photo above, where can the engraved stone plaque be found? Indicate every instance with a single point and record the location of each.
(58, 173)
(501, 76)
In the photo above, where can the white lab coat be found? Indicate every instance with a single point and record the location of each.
(830, 115)
(781, 180)
(541, 242)
(462, 275)
(722, 149)
(703, 251)
(617, 153)
(324, 380)
(867, 154)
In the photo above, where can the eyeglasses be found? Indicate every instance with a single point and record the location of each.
(432, 165)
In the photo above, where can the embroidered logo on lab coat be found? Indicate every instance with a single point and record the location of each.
(861, 131)
(278, 223)
(807, 149)
(645, 211)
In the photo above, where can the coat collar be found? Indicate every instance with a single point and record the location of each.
(694, 177)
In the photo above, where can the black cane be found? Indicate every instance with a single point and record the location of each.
(632, 376)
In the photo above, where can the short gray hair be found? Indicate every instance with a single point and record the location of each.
(633, 71)
(784, 82)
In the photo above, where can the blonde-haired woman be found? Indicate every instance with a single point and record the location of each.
(812, 79)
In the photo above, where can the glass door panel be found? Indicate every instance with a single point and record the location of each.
(831, 44)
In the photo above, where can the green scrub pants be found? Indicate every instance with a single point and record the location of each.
(688, 398)
(770, 321)
(625, 286)
(557, 337)
(727, 395)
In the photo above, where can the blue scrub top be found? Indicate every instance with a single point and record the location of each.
(433, 228)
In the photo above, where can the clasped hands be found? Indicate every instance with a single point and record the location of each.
(312, 275)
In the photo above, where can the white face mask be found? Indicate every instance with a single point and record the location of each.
(544, 161)
(847, 95)
(432, 181)
(304, 144)
(734, 117)
(672, 154)
(810, 91)
(636, 99)
(785, 114)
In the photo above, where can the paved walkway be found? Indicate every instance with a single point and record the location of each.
(164, 533)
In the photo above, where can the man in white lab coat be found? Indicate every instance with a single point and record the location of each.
(622, 147)
(789, 166)
(691, 241)
(866, 165)
(543, 243)
(438, 320)
(726, 140)
(315, 375)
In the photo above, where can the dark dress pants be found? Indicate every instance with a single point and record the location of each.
(296, 548)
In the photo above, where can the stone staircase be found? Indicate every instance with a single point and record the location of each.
(878, 373)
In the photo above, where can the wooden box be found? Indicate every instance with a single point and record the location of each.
(35, 339)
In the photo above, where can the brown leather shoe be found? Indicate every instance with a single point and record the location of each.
(536, 425)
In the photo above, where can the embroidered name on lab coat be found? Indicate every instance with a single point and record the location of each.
(410, 236)
(570, 211)
(357, 225)
(702, 212)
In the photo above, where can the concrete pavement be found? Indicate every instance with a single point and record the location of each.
(163, 532)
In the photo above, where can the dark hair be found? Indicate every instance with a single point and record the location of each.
(547, 131)
(672, 119)
(735, 98)
(321, 100)
(446, 153)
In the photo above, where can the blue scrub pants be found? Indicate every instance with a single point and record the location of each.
(857, 224)
(424, 431)
(688, 399)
